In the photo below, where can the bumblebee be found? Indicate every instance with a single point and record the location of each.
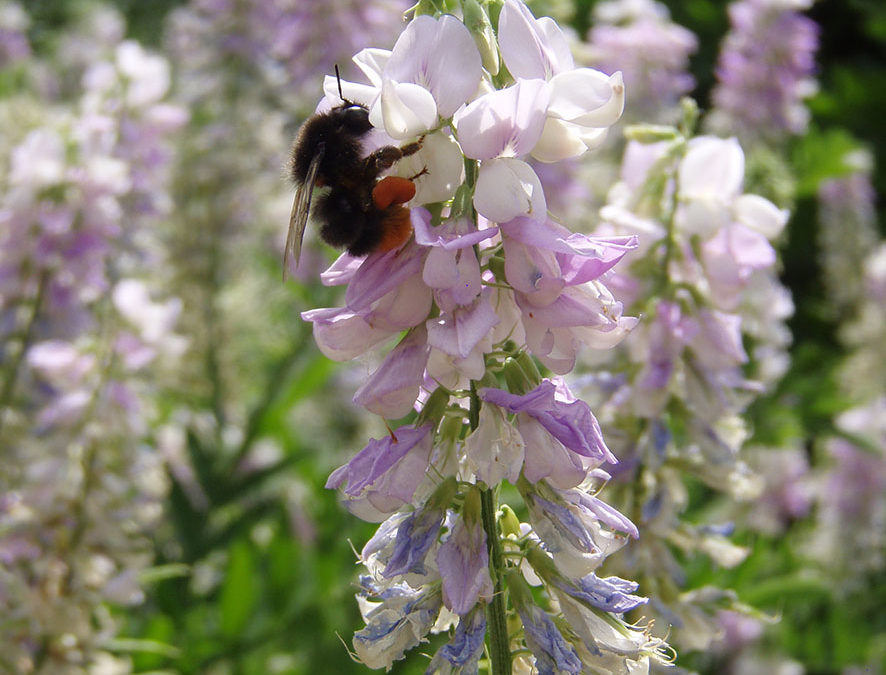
(358, 212)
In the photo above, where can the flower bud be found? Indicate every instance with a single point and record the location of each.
(478, 23)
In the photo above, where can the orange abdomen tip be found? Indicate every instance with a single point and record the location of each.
(395, 228)
(392, 190)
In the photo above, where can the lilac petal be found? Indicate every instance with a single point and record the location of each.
(587, 97)
(381, 273)
(748, 249)
(582, 258)
(395, 626)
(404, 307)
(341, 271)
(530, 47)
(553, 654)
(451, 235)
(364, 94)
(761, 215)
(546, 457)
(611, 594)
(719, 343)
(507, 188)
(342, 334)
(713, 168)
(384, 536)
(603, 512)
(552, 332)
(532, 271)
(575, 307)
(562, 140)
(440, 55)
(415, 537)
(387, 471)
(572, 423)
(458, 333)
(495, 449)
(566, 521)
(372, 61)
(507, 122)
(465, 648)
(378, 457)
(392, 389)
(456, 275)
(404, 110)
(463, 562)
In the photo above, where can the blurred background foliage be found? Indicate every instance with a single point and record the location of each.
(255, 569)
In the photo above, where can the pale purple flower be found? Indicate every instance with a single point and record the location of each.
(548, 458)
(581, 316)
(847, 231)
(553, 654)
(385, 295)
(606, 640)
(611, 594)
(385, 474)
(440, 55)
(495, 449)
(669, 332)
(83, 183)
(382, 273)
(544, 258)
(482, 292)
(451, 268)
(342, 334)
(397, 619)
(408, 89)
(710, 178)
(583, 102)
(463, 562)
(506, 188)
(60, 363)
(638, 38)
(766, 69)
(462, 337)
(504, 123)
(731, 257)
(392, 389)
(738, 630)
(532, 48)
(462, 653)
(576, 528)
(566, 418)
(416, 534)
(14, 45)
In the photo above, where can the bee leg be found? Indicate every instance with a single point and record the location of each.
(412, 148)
(382, 159)
(385, 157)
(424, 172)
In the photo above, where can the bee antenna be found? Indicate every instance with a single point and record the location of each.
(338, 79)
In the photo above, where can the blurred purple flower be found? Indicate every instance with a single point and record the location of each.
(765, 70)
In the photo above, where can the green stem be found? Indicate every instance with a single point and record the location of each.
(496, 619)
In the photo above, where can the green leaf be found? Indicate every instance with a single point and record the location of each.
(821, 155)
(240, 590)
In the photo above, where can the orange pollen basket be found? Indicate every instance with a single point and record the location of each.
(392, 190)
(388, 194)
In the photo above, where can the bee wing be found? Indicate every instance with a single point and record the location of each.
(298, 217)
